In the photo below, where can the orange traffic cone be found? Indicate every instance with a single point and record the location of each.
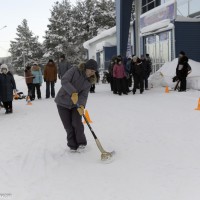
(29, 101)
(87, 117)
(198, 106)
(166, 89)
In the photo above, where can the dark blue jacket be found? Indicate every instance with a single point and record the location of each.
(7, 85)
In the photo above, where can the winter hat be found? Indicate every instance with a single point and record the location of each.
(62, 56)
(91, 64)
(35, 63)
(182, 53)
(119, 60)
(135, 58)
(4, 66)
(50, 60)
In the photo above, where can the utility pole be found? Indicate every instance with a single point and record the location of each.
(137, 25)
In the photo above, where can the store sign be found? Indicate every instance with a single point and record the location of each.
(160, 13)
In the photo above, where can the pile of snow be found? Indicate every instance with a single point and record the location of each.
(163, 77)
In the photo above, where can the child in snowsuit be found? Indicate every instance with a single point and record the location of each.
(71, 101)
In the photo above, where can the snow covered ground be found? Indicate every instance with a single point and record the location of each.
(156, 137)
(163, 77)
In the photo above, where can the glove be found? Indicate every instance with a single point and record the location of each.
(81, 110)
(55, 81)
(44, 80)
(59, 76)
(74, 98)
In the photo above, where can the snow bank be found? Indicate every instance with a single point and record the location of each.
(163, 77)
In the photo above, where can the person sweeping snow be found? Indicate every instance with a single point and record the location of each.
(71, 101)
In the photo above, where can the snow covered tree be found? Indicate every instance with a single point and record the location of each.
(59, 33)
(70, 27)
(25, 48)
(104, 15)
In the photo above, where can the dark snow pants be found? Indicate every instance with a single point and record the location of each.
(138, 80)
(121, 85)
(30, 88)
(7, 105)
(183, 83)
(48, 83)
(73, 125)
(92, 89)
(37, 87)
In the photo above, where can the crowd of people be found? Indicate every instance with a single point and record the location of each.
(121, 73)
(125, 76)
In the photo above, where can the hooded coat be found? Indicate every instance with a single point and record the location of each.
(28, 76)
(36, 72)
(50, 73)
(74, 81)
(182, 67)
(7, 85)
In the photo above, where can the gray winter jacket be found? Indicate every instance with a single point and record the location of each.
(62, 68)
(74, 80)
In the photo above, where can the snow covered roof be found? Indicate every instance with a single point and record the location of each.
(103, 34)
(180, 18)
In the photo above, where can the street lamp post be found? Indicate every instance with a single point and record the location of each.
(3, 27)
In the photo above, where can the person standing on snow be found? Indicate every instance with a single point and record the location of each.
(71, 101)
(7, 87)
(29, 80)
(92, 89)
(50, 77)
(37, 81)
(63, 66)
(138, 74)
(147, 71)
(120, 75)
(182, 72)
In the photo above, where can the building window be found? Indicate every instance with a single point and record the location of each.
(149, 4)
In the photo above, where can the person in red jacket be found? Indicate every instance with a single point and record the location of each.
(120, 75)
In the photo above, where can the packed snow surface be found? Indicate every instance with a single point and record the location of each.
(155, 135)
(163, 77)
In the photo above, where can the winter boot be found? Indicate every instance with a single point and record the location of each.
(81, 148)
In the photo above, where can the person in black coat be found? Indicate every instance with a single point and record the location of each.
(97, 76)
(7, 86)
(182, 72)
(138, 74)
(147, 70)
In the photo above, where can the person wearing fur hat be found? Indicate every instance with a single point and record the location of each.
(138, 74)
(37, 81)
(120, 75)
(71, 101)
(7, 87)
(50, 77)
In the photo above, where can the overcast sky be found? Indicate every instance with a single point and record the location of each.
(12, 12)
(37, 12)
